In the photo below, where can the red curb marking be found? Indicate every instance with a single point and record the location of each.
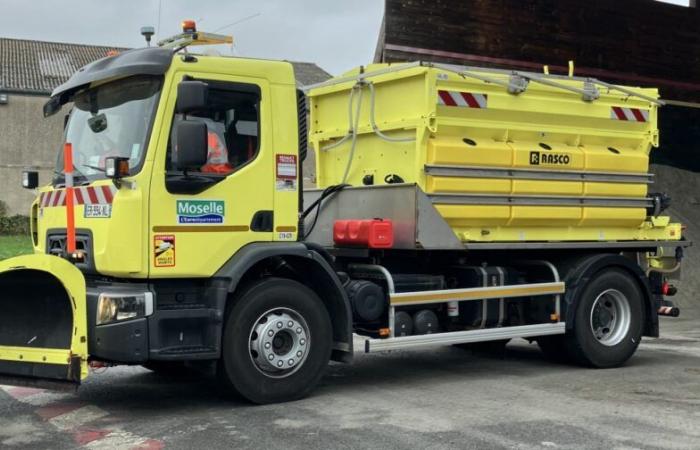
(150, 444)
(50, 411)
(86, 436)
(21, 392)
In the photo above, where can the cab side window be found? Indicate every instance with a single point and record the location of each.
(233, 127)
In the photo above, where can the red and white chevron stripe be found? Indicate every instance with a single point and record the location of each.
(84, 195)
(84, 425)
(629, 114)
(463, 99)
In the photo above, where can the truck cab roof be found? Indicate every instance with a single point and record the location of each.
(156, 61)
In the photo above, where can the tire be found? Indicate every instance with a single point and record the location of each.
(608, 321)
(293, 320)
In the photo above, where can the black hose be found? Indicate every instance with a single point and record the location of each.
(329, 191)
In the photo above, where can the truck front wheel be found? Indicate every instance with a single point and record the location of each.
(277, 342)
(608, 320)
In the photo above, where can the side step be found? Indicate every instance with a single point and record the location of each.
(461, 337)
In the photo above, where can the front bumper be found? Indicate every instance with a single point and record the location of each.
(119, 342)
(172, 332)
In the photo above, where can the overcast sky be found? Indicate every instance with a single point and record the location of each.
(337, 35)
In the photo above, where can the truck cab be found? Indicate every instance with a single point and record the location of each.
(126, 107)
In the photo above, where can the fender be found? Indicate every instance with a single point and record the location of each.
(317, 272)
(581, 271)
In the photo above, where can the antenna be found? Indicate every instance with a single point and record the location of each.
(147, 33)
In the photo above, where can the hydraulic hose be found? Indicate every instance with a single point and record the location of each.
(373, 123)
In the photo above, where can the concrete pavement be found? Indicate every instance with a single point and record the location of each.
(435, 398)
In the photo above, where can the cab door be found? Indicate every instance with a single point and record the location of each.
(200, 218)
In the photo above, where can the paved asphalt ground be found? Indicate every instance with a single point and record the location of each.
(422, 399)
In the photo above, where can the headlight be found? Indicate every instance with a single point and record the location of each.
(113, 307)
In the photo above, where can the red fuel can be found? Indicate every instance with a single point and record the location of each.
(371, 233)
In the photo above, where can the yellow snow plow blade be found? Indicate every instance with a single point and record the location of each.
(43, 322)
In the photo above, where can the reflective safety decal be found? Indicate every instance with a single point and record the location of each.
(629, 114)
(84, 195)
(164, 250)
(463, 99)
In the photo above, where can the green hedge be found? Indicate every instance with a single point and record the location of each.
(14, 225)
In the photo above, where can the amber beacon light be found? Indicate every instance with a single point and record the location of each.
(189, 26)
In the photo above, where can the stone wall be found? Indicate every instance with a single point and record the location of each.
(27, 140)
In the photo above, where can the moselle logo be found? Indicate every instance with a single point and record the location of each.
(554, 159)
(200, 211)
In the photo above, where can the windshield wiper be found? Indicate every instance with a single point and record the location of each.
(99, 169)
(61, 176)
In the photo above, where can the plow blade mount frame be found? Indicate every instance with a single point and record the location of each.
(43, 322)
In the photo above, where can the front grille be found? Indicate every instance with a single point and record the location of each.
(56, 245)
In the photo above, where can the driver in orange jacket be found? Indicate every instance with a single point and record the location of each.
(217, 157)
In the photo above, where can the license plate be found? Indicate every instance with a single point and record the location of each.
(98, 211)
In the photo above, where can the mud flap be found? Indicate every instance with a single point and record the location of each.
(43, 322)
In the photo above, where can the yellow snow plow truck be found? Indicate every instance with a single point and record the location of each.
(455, 206)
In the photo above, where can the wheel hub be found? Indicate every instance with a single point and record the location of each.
(610, 317)
(279, 342)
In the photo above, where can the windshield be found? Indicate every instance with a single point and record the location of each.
(113, 119)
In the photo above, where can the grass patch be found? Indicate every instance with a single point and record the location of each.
(14, 245)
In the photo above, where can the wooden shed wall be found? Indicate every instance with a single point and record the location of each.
(639, 42)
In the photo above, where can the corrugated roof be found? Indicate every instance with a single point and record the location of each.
(38, 66)
(309, 73)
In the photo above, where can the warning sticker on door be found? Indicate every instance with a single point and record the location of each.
(286, 173)
(164, 250)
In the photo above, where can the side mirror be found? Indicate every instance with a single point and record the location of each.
(116, 167)
(191, 96)
(30, 179)
(191, 148)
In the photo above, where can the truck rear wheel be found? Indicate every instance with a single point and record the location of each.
(608, 320)
(277, 342)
